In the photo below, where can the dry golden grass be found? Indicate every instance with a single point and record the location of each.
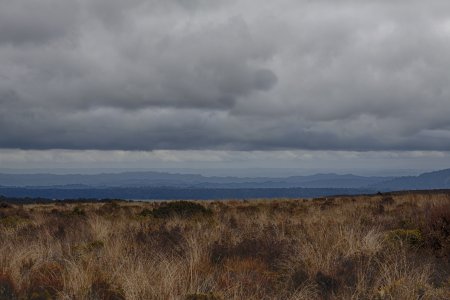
(377, 247)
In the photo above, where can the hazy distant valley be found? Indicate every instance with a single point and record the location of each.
(159, 185)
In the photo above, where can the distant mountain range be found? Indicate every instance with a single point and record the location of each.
(159, 179)
(159, 185)
(426, 181)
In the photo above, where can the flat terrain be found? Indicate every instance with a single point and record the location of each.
(390, 246)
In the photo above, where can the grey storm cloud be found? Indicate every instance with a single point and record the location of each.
(228, 75)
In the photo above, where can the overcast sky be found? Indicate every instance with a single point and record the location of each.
(286, 83)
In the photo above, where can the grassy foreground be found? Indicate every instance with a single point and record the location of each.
(378, 247)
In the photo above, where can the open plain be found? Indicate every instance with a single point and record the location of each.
(385, 246)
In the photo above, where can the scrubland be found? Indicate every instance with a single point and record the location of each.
(366, 247)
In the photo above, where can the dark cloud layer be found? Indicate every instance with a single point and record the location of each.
(229, 75)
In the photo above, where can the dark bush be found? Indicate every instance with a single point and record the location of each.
(101, 289)
(89, 247)
(346, 273)
(266, 249)
(109, 208)
(67, 226)
(412, 237)
(11, 221)
(436, 229)
(387, 200)
(168, 241)
(55, 211)
(40, 293)
(327, 284)
(5, 205)
(325, 203)
(299, 278)
(78, 211)
(7, 288)
(146, 212)
(208, 296)
(233, 223)
(249, 210)
(16, 213)
(379, 209)
(180, 208)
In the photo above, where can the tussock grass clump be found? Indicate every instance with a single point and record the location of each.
(361, 247)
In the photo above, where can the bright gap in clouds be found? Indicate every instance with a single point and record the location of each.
(223, 163)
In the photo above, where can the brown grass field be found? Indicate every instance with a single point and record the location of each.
(366, 247)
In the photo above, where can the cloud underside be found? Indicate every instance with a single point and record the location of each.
(225, 75)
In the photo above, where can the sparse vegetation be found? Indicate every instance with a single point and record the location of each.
(368, 247)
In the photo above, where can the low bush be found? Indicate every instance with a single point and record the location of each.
(208, 296)
(109, 208)
(7, 288)
(436, 229)
(12, 221)
(387, 200)
(146, 212)
(412, 237)
(163, 240)
(327, 284)
(298, 278)
(184, 209)
(267, 249)
(5, 205)
(90, 247)
(101, 289)
(78, 211)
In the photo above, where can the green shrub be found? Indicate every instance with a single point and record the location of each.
(78, 211)
(12, 221)
(146, 213)
(93, 246)
(40, 293)
(412, 237)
